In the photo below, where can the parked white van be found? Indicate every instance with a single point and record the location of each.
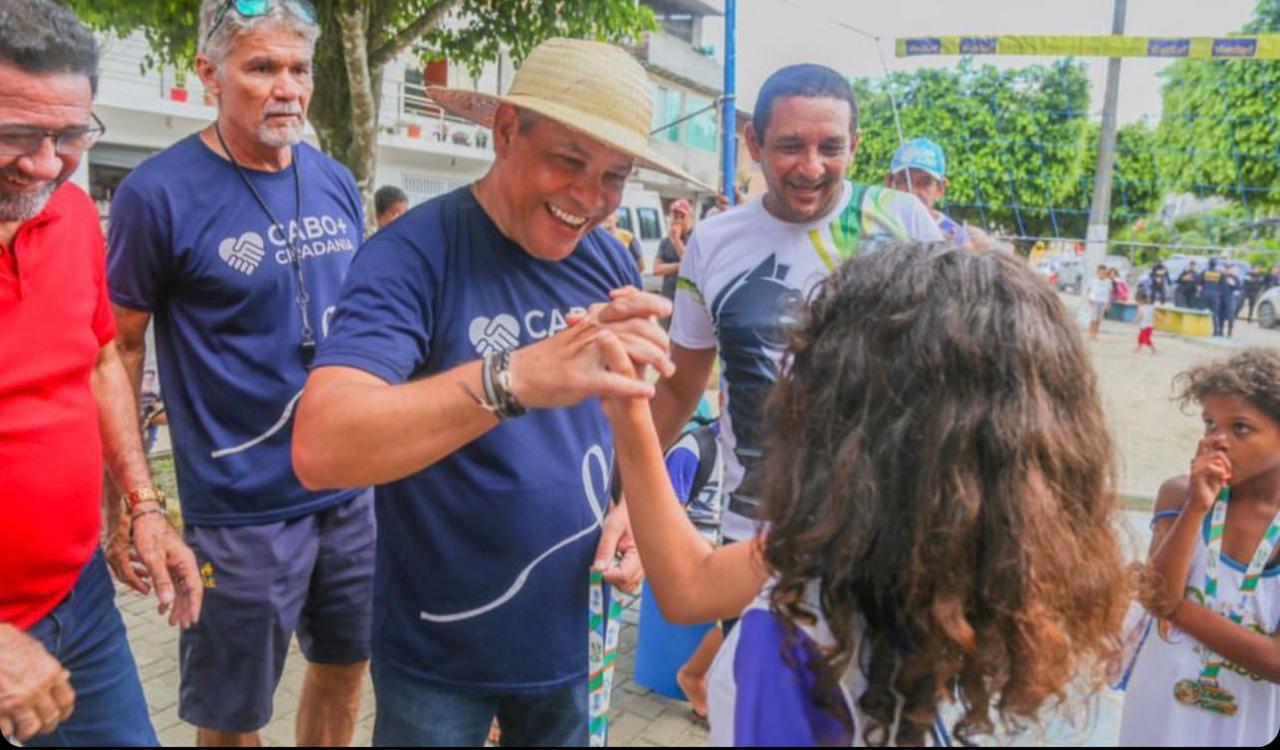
(641, 214)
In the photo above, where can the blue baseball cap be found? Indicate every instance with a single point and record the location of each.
(922, 154)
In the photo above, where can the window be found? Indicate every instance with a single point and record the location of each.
(624, 219)
(675, 110)
(668, 104)
(701, 130)
(678, 25)
(650, 229)
(659, 107)
(415, 93)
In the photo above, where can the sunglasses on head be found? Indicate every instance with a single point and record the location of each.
(255, 8)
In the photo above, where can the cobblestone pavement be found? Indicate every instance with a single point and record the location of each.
(639, 717)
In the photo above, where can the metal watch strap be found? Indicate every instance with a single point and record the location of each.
(496, 376)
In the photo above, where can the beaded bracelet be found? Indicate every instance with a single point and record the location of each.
(133, 519)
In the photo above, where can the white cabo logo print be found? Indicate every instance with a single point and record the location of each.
(243, 253)
(489, 336)
(502, 332)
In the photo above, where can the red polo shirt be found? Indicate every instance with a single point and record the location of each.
(54, 320)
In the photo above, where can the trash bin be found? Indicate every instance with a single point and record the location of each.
(661, 647)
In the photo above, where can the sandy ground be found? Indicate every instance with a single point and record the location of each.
(1154, 437)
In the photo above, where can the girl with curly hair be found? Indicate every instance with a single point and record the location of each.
(1207, 670)
(939, 508)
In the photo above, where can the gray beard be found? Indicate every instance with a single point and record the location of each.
(24, 206)
(280, 139)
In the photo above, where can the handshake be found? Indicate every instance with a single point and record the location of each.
(605, 353)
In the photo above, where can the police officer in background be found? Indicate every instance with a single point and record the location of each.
(1230, 297)
(1159, 283)
(1254, 285)
(1211, 292)
(1187, 291)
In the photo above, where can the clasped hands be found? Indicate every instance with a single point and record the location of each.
(604, 353)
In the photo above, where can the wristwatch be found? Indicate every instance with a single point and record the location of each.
(144, 495)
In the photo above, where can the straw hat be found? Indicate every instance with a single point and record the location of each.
(594, 88)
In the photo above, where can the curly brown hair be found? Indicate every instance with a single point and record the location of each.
(940, 462)
(1253, 375)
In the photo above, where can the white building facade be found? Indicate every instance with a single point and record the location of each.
(420, 149)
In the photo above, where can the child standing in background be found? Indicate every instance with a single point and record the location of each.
(1099, 297)
(1146, 324)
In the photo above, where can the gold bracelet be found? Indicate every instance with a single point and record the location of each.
(144, 495)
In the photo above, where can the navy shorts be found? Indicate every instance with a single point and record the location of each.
(312, 575)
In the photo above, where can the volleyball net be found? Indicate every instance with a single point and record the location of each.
(1021, 143)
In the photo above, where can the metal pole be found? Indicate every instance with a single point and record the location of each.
(729, 116)
(1100, 209)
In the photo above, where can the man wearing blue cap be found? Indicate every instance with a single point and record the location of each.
(919, 167)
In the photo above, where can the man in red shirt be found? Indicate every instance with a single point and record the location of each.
(67, 676)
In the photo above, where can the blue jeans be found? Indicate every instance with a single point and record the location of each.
(413, 712)
(85, 633)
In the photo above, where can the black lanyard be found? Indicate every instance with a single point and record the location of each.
(295, 259)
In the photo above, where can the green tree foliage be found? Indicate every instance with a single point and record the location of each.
(1266, 18)
(360, 37)
(1218, 132)
(1020, 146)
(1136, 188)
(1214, 231)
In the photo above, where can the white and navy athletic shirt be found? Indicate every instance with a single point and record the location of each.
(744, 280)
(760, 689)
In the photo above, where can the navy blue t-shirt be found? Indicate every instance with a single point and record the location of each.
(483, 558)
(190, 244)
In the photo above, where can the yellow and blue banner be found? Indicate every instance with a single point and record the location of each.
(1197, 47)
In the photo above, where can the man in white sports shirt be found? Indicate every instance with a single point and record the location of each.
(746, 272)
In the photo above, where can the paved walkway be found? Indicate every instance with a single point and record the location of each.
(639, 717)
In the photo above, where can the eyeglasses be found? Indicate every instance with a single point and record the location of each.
(20, 140)
(255, 8)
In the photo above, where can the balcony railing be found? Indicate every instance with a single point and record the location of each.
(678, 58)
(404, 111)
(122, 77)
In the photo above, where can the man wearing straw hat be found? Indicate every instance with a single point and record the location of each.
(458, 377)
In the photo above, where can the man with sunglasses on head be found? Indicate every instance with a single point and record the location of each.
(919, 167)
(67, 676)
(236, 240)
